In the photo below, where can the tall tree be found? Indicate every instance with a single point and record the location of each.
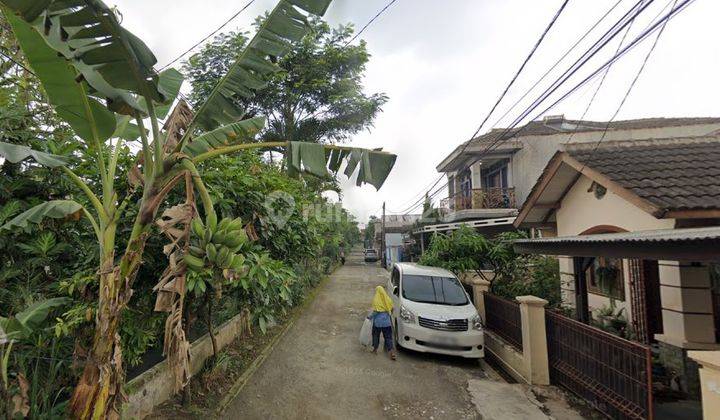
(316, 97)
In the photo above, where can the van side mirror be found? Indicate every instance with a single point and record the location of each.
(395, 290)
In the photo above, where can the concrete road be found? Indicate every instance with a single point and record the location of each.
(320, 371)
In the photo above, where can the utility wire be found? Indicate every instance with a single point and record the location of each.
(423, 191)
(431, 196)
(508, 86)
(599, 44)
(630, 88)
(638, 8)
(387, 6)
(211, 34)
(642, 36)
(501, 138)
(559, 60)
(607, 71)
(517, 73)
(21, 65)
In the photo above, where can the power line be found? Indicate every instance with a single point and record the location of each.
(616, 57)
(649, 30)
(630, 88)
(211, 34)
(607, 71)
(509, 85)
(430, 197)
(611, 33)
(370, 22)
(501, 138)
(569, 50)
(522, 66)
(422, 192)
(21, 65)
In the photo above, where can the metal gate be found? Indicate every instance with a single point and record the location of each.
(611, 373)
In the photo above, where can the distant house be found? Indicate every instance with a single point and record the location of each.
(489, 180)
(397, 228)
(635, 226)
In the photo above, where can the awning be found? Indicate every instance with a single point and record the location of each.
(688, 244)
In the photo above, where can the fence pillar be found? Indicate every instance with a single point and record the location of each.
(709, 381)
(480, 286)
(535, 353)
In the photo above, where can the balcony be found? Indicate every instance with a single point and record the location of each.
(483, 200)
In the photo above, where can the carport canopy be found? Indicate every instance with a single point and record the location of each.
(686, 244)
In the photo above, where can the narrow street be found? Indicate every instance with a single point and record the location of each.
(319, 371)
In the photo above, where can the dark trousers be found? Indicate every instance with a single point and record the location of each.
(387, 337)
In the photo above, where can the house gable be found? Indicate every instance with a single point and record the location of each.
(668, 178)
(580, 211)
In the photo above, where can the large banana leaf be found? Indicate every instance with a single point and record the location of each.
(112, 61)
(224, 136)
(56, 209)
(373, 166)
(90, 120)
(16, 153)
(169, 83)
(24, 323)
(286, 25)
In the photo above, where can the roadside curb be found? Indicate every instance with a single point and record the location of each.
(243, 380)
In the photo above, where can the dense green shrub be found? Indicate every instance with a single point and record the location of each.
(513, 274)
(59, 258)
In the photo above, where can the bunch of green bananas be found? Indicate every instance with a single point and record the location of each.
(216, 245)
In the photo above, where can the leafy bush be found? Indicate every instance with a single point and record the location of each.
(540, 277)
(513, 274)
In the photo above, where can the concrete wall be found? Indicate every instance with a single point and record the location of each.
(531, 364)
(510, 359)
(580, 211)
(710, 381)
(155, 386)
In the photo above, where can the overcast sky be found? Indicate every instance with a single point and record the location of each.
(444, 63)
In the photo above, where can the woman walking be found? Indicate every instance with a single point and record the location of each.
(382, 321)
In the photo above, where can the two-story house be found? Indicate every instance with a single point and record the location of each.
(489, 180)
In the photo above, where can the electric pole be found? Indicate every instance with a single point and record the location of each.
(383, 261)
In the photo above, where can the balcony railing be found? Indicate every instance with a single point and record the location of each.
(485, 198)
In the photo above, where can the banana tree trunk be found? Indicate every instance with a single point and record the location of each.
(99, 392)
(100, 385)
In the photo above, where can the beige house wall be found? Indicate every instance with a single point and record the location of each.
(580, 211)
(684, 287)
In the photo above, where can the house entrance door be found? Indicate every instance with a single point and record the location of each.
(645, 300)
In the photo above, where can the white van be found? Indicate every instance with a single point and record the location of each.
(432, 312)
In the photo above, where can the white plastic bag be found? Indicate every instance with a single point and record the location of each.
(366, 333)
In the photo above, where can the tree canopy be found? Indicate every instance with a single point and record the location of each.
(316, 97)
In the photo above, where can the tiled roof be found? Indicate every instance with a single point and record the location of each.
(542, 128)
(674, 175)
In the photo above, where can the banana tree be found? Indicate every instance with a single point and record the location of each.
(99, 78)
